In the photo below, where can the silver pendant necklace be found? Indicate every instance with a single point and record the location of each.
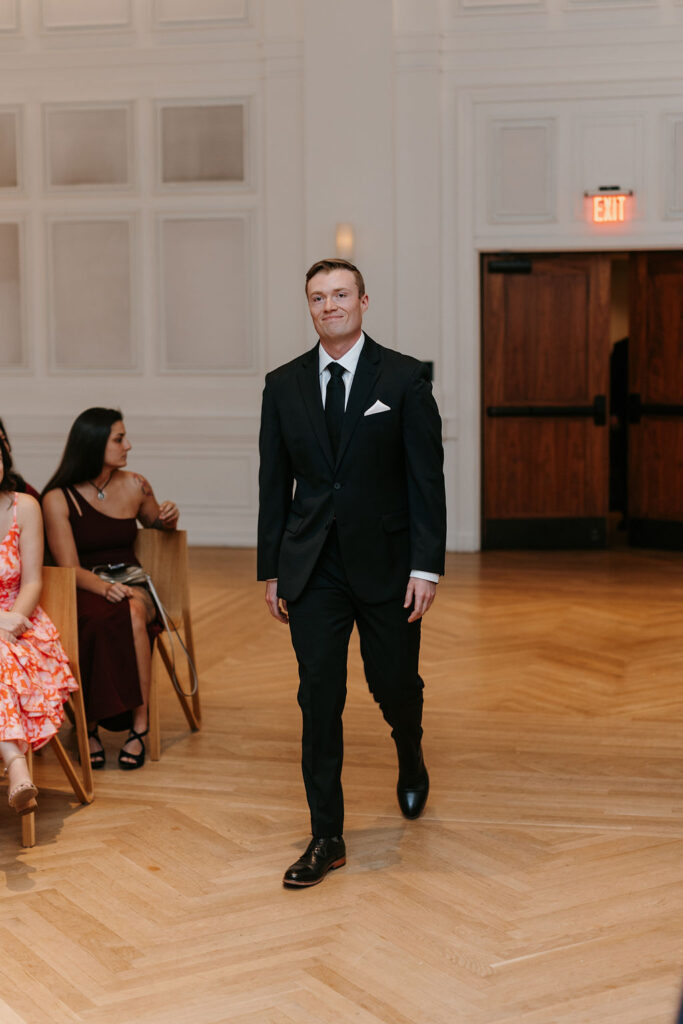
(100, 490)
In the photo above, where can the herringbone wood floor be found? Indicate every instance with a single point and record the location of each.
(542, 886)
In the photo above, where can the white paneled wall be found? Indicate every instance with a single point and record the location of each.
(168, 168)
(207, 272)
(132, 239)
(536, 103)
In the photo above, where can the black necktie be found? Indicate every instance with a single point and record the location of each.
(335, 397)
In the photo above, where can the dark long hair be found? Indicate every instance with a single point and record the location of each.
(84, 450)
(9, 480)
(9, 473)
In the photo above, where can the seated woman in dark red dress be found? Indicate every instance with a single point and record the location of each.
(91, 507)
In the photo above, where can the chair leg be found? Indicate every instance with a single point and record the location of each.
(153, 707)
(69, 771)
(78, 709)
(28, 830)
(28, 821)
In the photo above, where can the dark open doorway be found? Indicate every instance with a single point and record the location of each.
(582, 385)
(618, 397)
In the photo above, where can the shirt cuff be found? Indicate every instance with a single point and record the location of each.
(432, 577)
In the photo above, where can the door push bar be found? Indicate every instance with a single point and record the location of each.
(598, 410)
(637, 408)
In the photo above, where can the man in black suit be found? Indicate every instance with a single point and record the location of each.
(352, 528)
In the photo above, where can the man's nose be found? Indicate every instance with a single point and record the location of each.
(330, 302)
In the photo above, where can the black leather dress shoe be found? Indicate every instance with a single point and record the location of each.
(322, 855)
(412, 791)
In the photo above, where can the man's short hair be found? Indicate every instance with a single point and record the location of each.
(335, 263)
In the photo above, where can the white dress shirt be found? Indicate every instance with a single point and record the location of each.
(350, 361)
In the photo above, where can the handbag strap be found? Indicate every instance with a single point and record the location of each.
(171, 629)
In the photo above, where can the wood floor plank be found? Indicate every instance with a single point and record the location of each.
(543, 884)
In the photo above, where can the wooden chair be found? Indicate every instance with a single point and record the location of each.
(163, 554)
(58, 600)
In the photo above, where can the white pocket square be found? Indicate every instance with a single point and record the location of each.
(377, 407)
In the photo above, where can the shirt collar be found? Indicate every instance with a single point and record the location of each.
(349, 360)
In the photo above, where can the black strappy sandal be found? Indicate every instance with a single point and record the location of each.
(137, 760)
(97, 757)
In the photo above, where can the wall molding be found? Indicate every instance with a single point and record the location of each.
(129, 186)
(672, 149)
(248, 219)
(500, 132)
(25, 363)
(131, 220)
(247, 184)
(9, 18)
(51, 20)
(188, 14)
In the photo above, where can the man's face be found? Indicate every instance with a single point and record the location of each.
(335, 306)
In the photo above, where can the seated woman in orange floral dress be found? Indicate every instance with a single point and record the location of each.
(35, 678)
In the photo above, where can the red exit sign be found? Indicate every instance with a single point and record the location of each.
(610, 207)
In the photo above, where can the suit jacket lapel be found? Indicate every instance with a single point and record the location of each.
(309, 382)
(364, 379)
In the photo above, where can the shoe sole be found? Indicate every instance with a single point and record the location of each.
(31, 806)
(24, 801)
(307, 885)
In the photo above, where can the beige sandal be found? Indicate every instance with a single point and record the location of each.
(23, 797)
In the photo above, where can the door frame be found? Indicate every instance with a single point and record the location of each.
(481, 253)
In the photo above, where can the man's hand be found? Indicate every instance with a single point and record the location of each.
(419, 594)
(276, 607)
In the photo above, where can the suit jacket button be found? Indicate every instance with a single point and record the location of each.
(337, 487)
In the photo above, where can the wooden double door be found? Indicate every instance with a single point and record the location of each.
(546, 400)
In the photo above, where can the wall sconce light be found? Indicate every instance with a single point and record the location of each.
(344, 240)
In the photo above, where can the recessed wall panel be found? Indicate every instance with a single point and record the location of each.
(9, 172)
(673, 150)
(198, 12)
(610, 149)
(87, 146)
(521, 174)
(11, 349)
(492, 5)
(9, 19)
(606, 5)
(205, 275)
(76, 14)
(202, 144)
(91, 302)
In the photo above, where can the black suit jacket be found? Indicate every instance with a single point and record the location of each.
(385, 489)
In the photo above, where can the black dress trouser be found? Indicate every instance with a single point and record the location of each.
(321, 621)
